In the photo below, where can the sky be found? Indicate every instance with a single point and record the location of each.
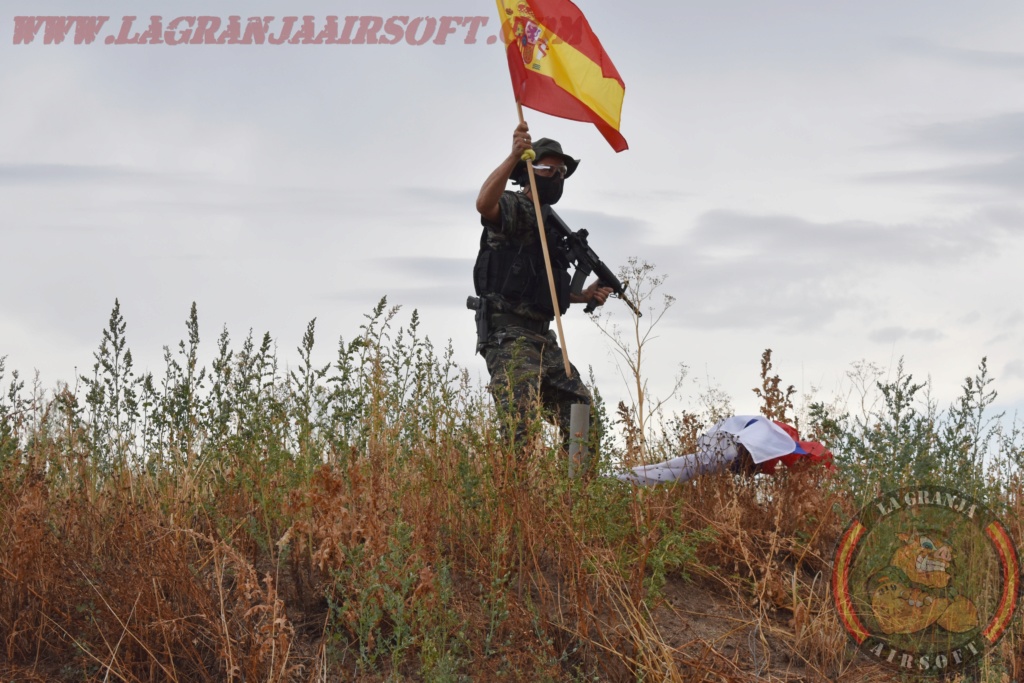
(839, 182)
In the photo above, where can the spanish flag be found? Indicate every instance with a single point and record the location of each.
(559, 67)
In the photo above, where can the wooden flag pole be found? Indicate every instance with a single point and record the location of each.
(547, 257)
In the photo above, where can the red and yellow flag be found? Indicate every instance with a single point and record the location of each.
(559, 67)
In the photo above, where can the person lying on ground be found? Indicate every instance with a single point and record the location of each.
(744, 444)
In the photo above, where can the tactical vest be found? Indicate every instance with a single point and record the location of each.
(516, 274)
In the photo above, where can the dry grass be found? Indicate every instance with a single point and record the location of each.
(407, 543)
(136, 579)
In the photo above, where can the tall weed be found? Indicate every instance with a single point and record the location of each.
(361, 517)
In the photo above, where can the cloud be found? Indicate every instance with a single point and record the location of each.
(1007, 328)
(969, 318)
(990, 59)
(800, 245)
(1002, 133)
(434, 297)
(889, 335)
(735, 271)
(744, 271)
(67, 174)
(1008, 217)
(665, 195)
(995, 145)
(259, 203)
(430, 268)
(1005, 174)
(461, 199)
(735, 301)
(1014, 369)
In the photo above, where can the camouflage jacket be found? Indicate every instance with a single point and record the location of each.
(517, 227)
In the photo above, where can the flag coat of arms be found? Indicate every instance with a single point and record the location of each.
(559, 67)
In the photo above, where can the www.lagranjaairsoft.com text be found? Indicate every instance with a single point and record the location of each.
(255, 30)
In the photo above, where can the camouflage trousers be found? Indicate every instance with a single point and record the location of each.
(527, 370)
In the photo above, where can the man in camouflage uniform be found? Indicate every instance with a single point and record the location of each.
(521, 349)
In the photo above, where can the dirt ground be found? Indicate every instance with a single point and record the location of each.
(720, 638)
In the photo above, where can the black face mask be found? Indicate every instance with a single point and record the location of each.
(549, 190)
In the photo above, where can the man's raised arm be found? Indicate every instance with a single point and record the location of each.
(490, 193)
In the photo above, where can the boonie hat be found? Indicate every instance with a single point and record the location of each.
(548, 147)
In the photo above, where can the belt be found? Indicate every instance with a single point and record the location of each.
(499, 320)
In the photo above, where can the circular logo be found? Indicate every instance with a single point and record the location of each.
(925, 580)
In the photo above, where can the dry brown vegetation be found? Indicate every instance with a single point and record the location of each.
(364, 521)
